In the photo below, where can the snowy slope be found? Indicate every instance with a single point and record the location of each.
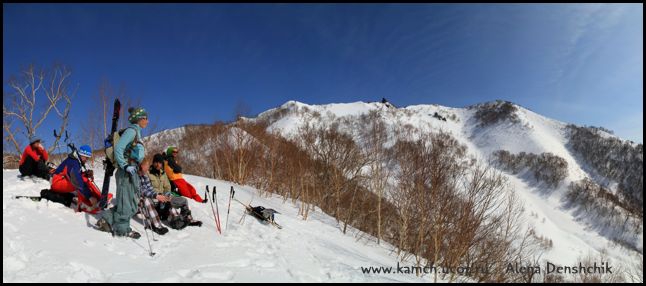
(544, 209)
(47, 242)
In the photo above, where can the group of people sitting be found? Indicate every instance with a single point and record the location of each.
(156, 190)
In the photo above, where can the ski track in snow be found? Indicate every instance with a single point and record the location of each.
(48, 242)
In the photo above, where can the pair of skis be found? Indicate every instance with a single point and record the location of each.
(107, 165)
(216, 211)
(33, 198)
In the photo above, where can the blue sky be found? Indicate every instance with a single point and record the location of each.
(193, 63)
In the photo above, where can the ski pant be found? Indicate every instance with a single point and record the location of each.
(187, 190)
(125, 203)
(62, 184)
(62, 198)
(176, 212)
(30, 167)
(147, 206)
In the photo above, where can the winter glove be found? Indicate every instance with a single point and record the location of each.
(132, 170)
(90, 175)
(162, 198)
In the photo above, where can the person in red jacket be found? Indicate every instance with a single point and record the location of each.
(34, 160)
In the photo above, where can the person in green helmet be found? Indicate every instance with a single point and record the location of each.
(128, 152)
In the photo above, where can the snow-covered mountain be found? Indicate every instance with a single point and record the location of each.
(166, 138)
(483, 129)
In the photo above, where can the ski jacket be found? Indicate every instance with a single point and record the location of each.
(159, 180)
(172, 169)
(126, 141)
(146, 188)
(70, 169)
(35, 153)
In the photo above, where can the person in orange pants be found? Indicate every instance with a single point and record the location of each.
(174, 173)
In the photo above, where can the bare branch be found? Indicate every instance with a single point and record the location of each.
(6, 124)
(27, 89)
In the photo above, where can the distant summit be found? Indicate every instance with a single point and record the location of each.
(388, 104)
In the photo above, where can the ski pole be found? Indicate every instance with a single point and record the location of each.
(240, 202)
(146, 231)
(141, 210)
(213, 210)
(206, 195)
(217, 211)
(146, 214)
(58, 136)
(247, 208)
(231, 193)
(58, 144)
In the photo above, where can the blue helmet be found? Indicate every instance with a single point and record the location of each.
(85, 151)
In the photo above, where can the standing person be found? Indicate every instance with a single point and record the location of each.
(176, 211)
(128, 153)
(34, 160)
(174, 173)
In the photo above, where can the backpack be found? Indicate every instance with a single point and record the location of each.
(109, 150)
(262, 213)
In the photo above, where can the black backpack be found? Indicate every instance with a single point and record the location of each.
(262, 213)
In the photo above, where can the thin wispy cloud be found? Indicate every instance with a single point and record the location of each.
(578, 24)
(577, 63)
(593, 27)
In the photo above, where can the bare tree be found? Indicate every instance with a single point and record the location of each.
(375, 136)
(22, 102)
